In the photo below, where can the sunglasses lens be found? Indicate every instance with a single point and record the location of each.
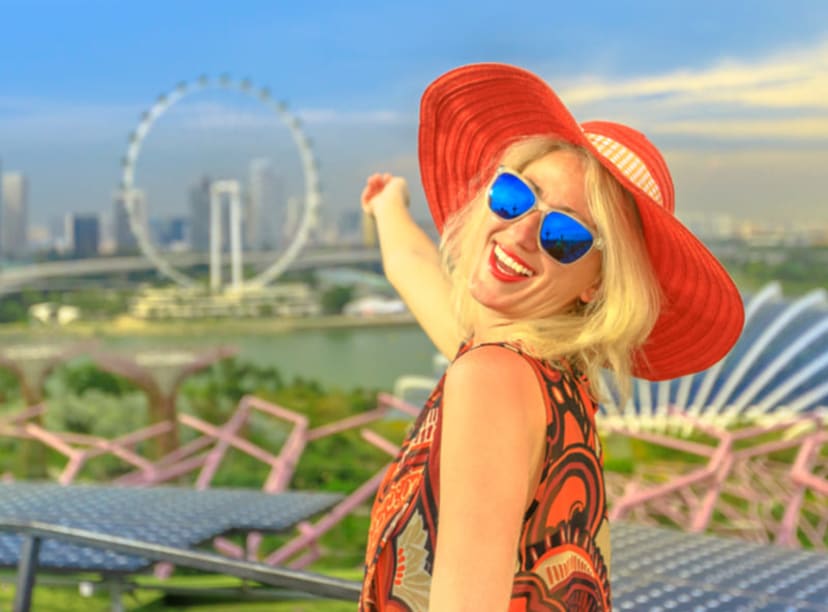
(510, 197)
(564, 238)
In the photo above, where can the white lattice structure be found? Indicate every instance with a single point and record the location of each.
(778, 369)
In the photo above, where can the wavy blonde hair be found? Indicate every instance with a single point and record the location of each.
(604, 333)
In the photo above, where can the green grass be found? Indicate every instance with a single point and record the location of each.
(191, 593)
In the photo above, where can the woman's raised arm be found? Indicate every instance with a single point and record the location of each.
(411, 260)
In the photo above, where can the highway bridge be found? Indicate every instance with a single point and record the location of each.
(14, 278)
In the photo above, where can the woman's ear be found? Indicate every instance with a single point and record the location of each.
(588, 294)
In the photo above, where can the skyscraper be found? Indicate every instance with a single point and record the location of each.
(265, 213)
(170, 232)
(125, 240)
(200, 215)
(14, 218)
(85, 234)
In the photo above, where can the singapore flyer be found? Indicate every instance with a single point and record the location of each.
(309, 171)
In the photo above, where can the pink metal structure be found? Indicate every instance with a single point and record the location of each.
(309, 534)
(206, 453)
(13, 425)
(740, 488)
(31, 364)
(160, 374)
(810, 478)
(79, 448)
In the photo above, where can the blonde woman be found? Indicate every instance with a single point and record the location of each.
(560, 256)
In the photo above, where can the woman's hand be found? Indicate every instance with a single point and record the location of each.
(382, 190)
(410, 259)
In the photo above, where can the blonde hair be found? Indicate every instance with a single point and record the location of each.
(604, 333)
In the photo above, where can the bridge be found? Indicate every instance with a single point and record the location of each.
(14, 278)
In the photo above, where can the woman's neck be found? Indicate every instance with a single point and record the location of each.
(490, 326)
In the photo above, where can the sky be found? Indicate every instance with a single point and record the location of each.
(734, 93)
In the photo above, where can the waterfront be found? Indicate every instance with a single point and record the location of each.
(332, 352)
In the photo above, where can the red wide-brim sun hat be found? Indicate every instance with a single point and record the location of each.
(470, 115)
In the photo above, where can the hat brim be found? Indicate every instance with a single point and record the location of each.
(469, 116)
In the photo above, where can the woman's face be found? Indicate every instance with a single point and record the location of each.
(540, 286)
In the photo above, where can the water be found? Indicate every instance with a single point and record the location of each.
(372, 357)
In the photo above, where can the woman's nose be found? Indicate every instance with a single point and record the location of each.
(524, 231)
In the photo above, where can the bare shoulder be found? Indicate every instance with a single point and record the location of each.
(491, 364)
(491, 375)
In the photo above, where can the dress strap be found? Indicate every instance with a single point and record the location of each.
(467, 347)
(563, 365)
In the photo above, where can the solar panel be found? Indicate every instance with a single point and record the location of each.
(174, 516)
(655, 569)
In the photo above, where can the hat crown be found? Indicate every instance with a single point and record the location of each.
(637, 160)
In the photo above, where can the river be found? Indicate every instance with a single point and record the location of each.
(370, 357)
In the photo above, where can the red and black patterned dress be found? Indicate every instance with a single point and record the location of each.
(562, 562)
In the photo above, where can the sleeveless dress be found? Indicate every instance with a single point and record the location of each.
(562, 562)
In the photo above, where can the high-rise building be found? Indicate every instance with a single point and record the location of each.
(84, 234)
(125, 241)
(200, 215)
(178, 228)
(14, 223)
(170, 232)
(265, 214)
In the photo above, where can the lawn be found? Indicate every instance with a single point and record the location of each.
(202, 593)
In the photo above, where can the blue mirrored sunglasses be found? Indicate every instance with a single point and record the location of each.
(560, 235)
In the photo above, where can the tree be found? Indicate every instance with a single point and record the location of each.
(335, 298)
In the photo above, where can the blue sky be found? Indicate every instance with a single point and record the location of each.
(735, 93)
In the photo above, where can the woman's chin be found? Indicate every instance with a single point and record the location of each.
(493, 301)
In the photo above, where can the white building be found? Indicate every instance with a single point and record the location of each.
(374, 305)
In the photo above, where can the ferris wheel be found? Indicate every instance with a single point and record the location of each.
(312, 198)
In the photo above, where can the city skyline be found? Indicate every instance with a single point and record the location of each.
(740, 113)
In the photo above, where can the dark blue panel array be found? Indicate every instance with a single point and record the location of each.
(653, 568)
(659, 569)
(172, 516)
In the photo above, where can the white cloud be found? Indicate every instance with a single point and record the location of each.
(43, 119)
(802, 129)
(219, 115)
(330, 116)
(216, 115)
(784, 95)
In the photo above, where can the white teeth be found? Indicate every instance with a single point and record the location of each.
(510, 263)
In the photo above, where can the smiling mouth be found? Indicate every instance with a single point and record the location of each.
(506, 267)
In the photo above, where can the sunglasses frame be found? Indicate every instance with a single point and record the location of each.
(597, 241)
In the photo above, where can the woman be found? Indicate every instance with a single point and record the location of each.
(560, 255)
